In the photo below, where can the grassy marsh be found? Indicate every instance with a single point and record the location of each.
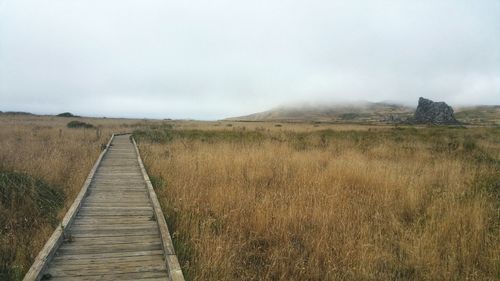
(300, 202)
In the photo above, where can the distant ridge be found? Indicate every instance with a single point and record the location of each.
(368, 112)
(16, 113)
(355, 112)
(481, 114)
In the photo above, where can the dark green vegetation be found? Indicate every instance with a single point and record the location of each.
(349, 116)
(165, 134)
(26, 206)
(460, 140)
(79, 124)
(17, 113)
(67, 114)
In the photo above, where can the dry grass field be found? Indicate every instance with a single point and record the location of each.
(257, 201)
(275, 201)
(43, 165)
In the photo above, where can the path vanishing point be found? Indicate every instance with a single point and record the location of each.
(114, 230)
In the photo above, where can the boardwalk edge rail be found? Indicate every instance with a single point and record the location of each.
(173, 266)
(57, 237)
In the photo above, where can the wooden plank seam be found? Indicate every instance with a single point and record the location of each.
(57, 237)
(172, 263)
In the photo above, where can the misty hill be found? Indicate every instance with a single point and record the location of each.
(354, 112)
(368, 112)
(481, 115)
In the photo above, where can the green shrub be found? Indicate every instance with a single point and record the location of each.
(349, 116)
(158, 182)
(79, 124)
(469, 144)
(66, 114)
(26, 205)
(167, 135)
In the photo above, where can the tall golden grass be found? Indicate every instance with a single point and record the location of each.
(44, 149)
(389, 204)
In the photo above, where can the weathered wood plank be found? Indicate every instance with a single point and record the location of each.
(112, 220)
(118, 231)
(174, 269)
(116, 213)
(150, 275)
(118, 188)
(117, 196)
(102, 228)
(110, 199)
(107, 255)
(91, 268)
(116, 270)
(115, 240)
(118, 248)
(117, 204)
(105, 200)
(113, 233)
(100, 260)
(108, 208)
(41, 261)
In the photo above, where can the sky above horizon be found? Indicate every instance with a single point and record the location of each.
(221, 58)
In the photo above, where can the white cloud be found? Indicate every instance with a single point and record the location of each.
(212, 59)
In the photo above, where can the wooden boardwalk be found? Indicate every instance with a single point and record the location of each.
(116, 231)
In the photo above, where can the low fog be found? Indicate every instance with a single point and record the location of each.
(220, 58)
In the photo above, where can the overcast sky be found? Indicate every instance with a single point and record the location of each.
(211, 59)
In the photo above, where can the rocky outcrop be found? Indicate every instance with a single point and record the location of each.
(430, 112)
